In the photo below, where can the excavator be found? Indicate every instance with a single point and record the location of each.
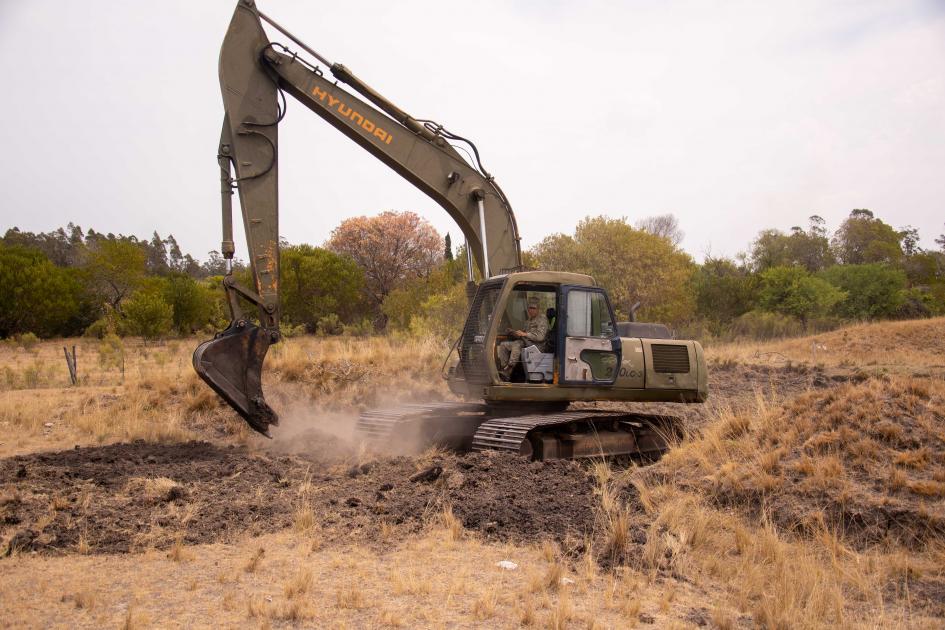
(547, 408)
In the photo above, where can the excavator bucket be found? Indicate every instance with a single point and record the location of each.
(231, 363)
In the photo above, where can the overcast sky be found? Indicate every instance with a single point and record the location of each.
(733, 116)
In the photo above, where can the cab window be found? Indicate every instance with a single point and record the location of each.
(589, 314)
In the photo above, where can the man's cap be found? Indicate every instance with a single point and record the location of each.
(533, 301)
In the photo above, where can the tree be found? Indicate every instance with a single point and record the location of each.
(873, 290)
(723, 290)
(63, 247)
(663, 225)
(191, 304)
(792, 291)
(156, 253)
(317, 282)
(633, 265)
(35, 295)
(447, 247)
(390, 248)
(910, 241)
(412, 300)
(115, 268)
(147, 314)
(862, 238)
(940, 241)
(809, 249)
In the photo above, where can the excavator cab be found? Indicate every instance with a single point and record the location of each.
(586, 355)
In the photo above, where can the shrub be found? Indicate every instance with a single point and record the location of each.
(792, 291)
(763, 325)
(362, 329)
(111, 352)
(873, 290)
(288, 330)
(329, 325)
(27, 340)
(148, 315)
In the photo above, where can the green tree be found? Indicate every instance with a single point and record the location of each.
(872, 290)
(447, 247)
(317, 282)
(792, 291)
(415, 297)
(190, 302)
(36, 295)
(148, 315)
(115, 268)
(807, 248)
(633, 265)
(862, 239)
(723, 290)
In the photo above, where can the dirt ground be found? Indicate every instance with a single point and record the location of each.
(147, 502)
(129, 497)
(133, 496)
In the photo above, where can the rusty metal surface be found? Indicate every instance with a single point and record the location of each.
(231, 364)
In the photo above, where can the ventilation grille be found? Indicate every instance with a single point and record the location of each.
(669, 359)
(472, 356)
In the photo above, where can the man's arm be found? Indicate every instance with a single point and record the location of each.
(538, 331)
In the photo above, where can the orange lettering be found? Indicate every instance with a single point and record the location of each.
(319, 93)
(368, 126)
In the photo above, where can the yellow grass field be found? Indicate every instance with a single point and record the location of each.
(809, 493)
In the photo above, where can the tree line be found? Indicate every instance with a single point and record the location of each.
(394, 273)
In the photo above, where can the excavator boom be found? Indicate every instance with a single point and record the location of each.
(254, 75)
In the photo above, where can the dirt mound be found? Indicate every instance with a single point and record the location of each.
(865, 459)
(124, 497)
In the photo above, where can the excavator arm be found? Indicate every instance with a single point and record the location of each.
(255, 75)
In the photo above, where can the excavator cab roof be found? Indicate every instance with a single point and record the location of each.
(548, 277)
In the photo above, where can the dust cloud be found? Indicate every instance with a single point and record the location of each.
(314, 432)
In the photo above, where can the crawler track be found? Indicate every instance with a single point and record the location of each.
(553, 435)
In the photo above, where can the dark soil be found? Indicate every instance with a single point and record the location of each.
(49, 501)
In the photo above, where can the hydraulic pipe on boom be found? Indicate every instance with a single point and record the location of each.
(254, 72)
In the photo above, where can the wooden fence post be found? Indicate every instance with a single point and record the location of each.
(70, 363)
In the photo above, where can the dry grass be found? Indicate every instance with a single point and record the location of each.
(253, 563)
(758, 501)
(159, 398)
(457, 585)
(710, 511)
(906, 346)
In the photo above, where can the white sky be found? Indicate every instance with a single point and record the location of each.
(734, 116)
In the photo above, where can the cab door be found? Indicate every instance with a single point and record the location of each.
(587, 336)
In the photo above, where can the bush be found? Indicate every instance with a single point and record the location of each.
(792, 291)
(98, 329)
(329, 325)
(27, 340)
(441, 315)
(358, 329)
(763, 325)
(873, 291)
(915, 303)
(288, 330)
(111, 352)
(148, 315)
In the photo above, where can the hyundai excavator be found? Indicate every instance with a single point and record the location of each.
(546, 409)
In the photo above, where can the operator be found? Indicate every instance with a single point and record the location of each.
(536, 329)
